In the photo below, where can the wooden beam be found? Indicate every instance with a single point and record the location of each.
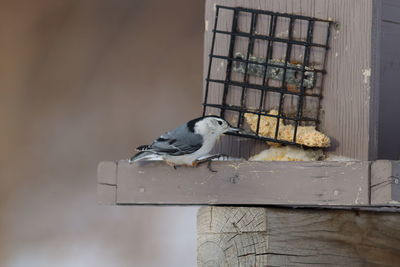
(239, 183)
(235, 236)
(385, 182)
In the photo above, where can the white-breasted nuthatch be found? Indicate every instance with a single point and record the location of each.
(187, 143)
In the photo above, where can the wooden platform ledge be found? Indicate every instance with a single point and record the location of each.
(358, 183)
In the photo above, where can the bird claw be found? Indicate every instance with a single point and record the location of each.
(196, 163)
(208, 160)
(171, 164)
(209, 166)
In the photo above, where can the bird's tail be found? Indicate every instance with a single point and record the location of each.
(141, 155)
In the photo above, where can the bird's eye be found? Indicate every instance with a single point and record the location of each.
(220, 122)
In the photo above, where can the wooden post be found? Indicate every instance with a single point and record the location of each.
(235, 236)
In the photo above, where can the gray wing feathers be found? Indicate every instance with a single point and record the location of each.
(140, 155)
(177, 142)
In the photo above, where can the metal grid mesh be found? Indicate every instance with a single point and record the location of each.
(267, 68)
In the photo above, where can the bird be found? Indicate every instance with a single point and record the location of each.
(186, 144)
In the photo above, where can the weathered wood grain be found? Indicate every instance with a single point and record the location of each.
(243, 182)
(385, 182)
(230, 236)
(250, 243)
(107, 183)
(345, 112)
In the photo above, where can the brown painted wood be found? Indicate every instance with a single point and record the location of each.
(245, 183)
(232, 236)
(107, 183)
(385, 182)
(347, 86)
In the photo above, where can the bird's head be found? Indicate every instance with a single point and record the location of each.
(212, 125)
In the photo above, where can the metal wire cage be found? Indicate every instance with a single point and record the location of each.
(261, 61)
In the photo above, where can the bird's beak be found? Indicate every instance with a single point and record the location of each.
(233, 130)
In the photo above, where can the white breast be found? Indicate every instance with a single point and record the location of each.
(188, 159)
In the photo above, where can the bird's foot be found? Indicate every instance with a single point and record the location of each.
(209, 166)
(209, 159)
(171, 164)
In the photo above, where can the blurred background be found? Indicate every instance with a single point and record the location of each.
(82, 82)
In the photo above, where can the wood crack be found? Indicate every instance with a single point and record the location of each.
(390, 180)
(273, 253)
(107, 184)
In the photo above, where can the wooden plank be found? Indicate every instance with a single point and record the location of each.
(107, 183)
(347, 89)
(385, 182)
(389, 93)
(296, 237)
(375, 80)
(245, 182)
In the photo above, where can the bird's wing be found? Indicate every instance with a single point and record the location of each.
(176, 143)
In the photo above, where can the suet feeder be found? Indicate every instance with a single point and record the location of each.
(330, 65)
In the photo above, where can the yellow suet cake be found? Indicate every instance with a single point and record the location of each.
(306, 135)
